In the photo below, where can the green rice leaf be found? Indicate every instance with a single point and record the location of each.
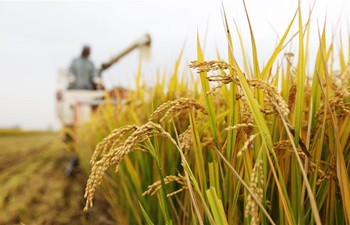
(233, 106)
(148, 220)
(254, 49)
(300, 83)
(198, 154)
(214, 178)
(216, 207)
(208, 98)
(254, 106)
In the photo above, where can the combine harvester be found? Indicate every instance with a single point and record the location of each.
(77, 106)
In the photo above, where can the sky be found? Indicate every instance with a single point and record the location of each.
(39, 38)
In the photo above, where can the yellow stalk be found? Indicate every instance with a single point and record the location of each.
(342, 173)
(306, 182)
(216, 207)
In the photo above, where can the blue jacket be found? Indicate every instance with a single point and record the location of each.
(84, 71)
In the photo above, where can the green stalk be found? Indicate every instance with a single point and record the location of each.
(198, 154)
(214, 178)
(208, 98)
(233, 106)
(254, 49)
(342, 173)
(164, 201)
(267, 141)
(295, 175)
(148, 220)
(191, 180)
(236, 175)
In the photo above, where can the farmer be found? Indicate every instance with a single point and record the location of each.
(82, 73)
(82, 76)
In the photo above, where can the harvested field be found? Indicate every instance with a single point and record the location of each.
(34, 187)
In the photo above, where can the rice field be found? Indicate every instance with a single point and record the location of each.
(229, 143)
(34, 188)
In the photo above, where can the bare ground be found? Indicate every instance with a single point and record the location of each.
(34, 188)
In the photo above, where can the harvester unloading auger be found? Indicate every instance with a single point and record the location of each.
(76, 106)
(145, 40)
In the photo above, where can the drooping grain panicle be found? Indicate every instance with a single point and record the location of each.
(247, 116)
(186, 141)
(324, 170)
(284, 145)
(95, 177)
(139, 136)
(247, 144)
(271, 94)
(291, 96)
(213, 65)
(173, 108)
(335, 103)
(256, 186)
(156, 186)
(115, 156)
(343, 81)
(240, 126)
(110, 142)
(221, 79)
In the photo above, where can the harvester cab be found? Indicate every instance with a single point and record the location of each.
(76, 106)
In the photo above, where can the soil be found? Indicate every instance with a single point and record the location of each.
(34, 187)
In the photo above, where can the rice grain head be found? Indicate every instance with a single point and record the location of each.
(256, 185)
(156, 186)
(173, 108)
(115, 156)
(271, 94)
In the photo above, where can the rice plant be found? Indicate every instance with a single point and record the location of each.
(231, 145)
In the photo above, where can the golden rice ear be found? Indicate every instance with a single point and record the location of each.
(173, 108)
(156, 186)
(115, 156)
(271, 94)
(110, 142)
(256, 186)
